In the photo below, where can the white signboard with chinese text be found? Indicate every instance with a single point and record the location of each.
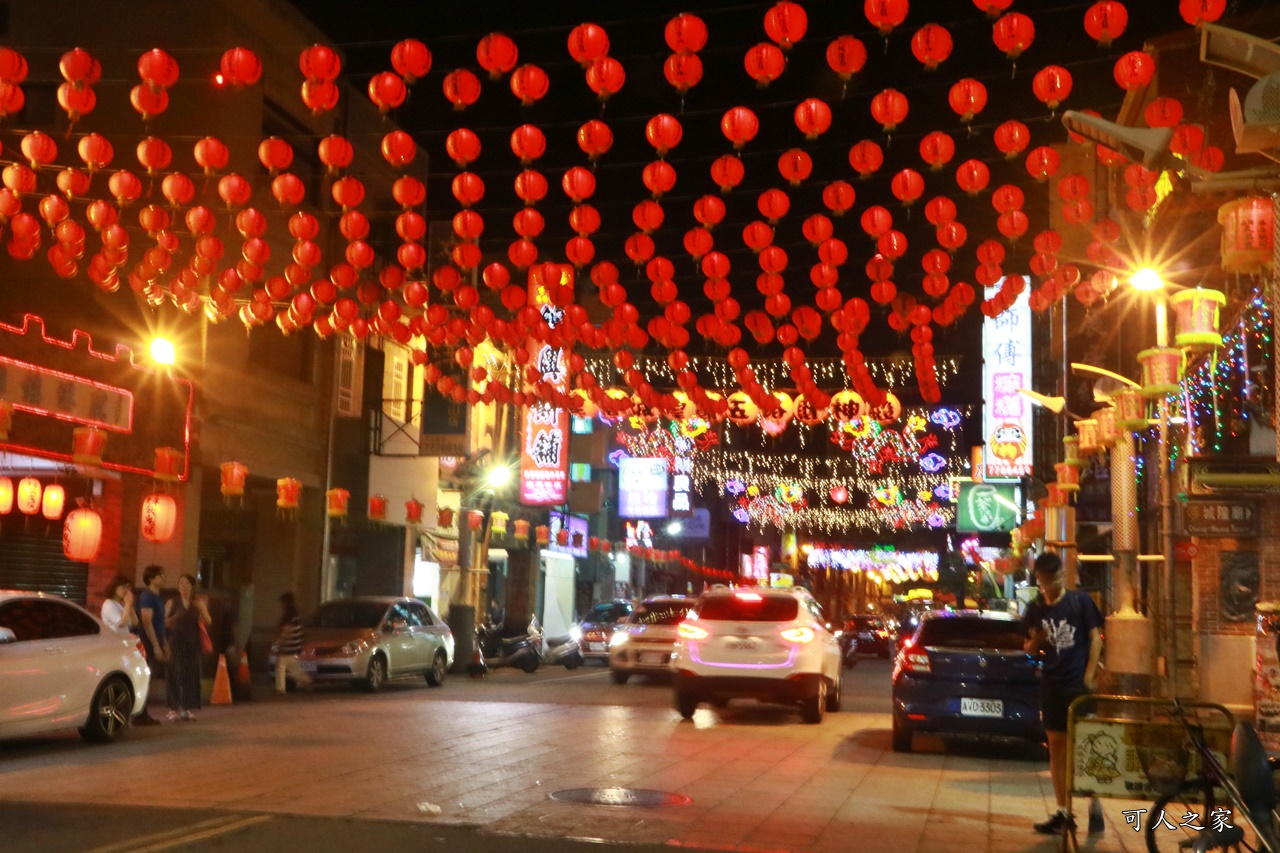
(1006, 367)
(642, 488)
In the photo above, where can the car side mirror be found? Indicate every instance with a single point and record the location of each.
(7, 636)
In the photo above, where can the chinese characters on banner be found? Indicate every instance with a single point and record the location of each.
(1006, 367)
(544, 451)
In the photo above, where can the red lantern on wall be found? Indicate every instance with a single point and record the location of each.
(336, 502)
(377, 508)
(413, 511)
(543, 534)
(159, 517)
(87, 445)
(82, 534)
(288, 493)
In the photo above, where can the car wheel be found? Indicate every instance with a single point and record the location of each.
(619, 676)
(110, 712)
(901, 736)
(377, 674)
(686, 704)
(833, 695)
(439, 665)
(812, 709)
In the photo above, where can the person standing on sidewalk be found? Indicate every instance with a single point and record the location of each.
(1065, 627)
(289, 645)
(183, 619)
(150, 627)
(117, 611)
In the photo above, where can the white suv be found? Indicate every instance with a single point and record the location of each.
(752, 642)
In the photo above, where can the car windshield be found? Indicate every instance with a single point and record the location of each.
(348, 614)
(961, 633)
(608, 612)
(749, 608)
(661, 613)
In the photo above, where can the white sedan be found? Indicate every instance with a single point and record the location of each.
(61, 668)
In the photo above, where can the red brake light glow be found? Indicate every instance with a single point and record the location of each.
(911, 659)
(798, 635)
(691, 632)
(747, 596)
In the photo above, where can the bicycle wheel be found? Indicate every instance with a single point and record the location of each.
(1193, 796)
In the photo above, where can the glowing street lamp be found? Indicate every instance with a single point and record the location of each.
(162, 351)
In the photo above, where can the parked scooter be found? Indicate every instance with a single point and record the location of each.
(562, 650)
(521, 652)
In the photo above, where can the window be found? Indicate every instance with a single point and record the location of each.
(396, 390)
(421, 613)
(31, 619)
(404, 613)
(764, 608)
(969, 633)
(608, 612)
(347, 614)
(661, 613)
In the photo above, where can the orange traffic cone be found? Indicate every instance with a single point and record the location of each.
(221, 684)
(243, 677)
(478, 667)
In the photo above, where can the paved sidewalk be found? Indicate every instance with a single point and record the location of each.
(759, 781)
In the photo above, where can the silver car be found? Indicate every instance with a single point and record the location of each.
(368, 640)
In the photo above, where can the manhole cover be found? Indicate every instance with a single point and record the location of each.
(638, 797)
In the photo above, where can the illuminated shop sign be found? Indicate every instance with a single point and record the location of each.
(544, 452)
(1006, 367)
(642, 488)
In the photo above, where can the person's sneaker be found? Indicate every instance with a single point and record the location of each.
(188, 717)
(172, 716)
(145, 719)
(1056, 823)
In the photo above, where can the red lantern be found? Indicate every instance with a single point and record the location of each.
(82, 534)
(319, 96)
(387, 91)
(1013, 33)
(1012, 138)
(29, 492)
(889, 108)
(468, 188)
(497, 54)
(87, 445)
(336, 502)
(1052, 85)
(288, 493)
(463, 146)
(543, 534)
(813, 117)
(13, 66)
(727, 171)
(740, 126)
(595, 139)
(937, 149)
(530, 84)
(335, 152)
(399, 149)
(159, 517)
(931, 45)
(587, 43)
(940, 210)
(461, 88)
(663, 132)
(1247, 234)
(562, 537)
(1105, 21)
(158, 69)
(1197, 12)
(885, 15)
(240, 67)
(972, 176)
(521, 529)
(865, 157)
(6, 495)
(1042, 163)
(319, 63)
(839, 197)
(413, 511)
(411, 59)
(795, 166)
(1163, 112)
(1135, 70)
(907, 186)
(51, 503)
(605, 77)
(528, 143)
(786, 23)
(683, 71)
(773, 204)
(764, 63)
(847, 56)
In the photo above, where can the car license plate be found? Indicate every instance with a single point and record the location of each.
(308, 665)
(653, 658)
(745, 644)
(595, 647)
(982, 707)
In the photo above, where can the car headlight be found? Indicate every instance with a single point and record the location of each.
(575, 633)
(352, 648)
(618, 638)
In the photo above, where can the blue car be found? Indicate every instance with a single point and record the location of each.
(966, 673)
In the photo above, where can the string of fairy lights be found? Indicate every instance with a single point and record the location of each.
(772, 374)
(1229, 387)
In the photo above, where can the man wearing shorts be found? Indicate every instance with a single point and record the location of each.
(1065, 626)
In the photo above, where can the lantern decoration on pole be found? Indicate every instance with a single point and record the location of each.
(6, 495)
(377, 508)
(1130, 409)
(1057, 496)
(168, 464)
(233, 477)
(1161, 371)
(543, 534)
(336, 501)
(1068, 477)
(288, 493)
(521, 529)
(29, 491)
(6, 419)
(87, 444)
(159, 517)
(1108, 430)
(1247, 234)
(413, 511)
(1197, 312)
(82, 533)
(444, 518)
(1071, 451)
(51, 503)
(475, 519)
(498, 523)
(1087, 433)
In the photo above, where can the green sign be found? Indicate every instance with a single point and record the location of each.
(988, 508)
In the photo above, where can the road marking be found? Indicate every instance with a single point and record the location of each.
(576, 677)
(183, 835)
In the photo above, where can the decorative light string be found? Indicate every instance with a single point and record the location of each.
(772, 374)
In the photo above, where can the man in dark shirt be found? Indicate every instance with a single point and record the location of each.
(151, 627)
(1065, 625)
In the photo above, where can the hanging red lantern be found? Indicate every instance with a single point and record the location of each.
(972, 176)
(387, 91)
(773, 204)
(757, 235)
(319, 63)
(907, 186)
(595, 139)
(399, 149)
(30, 491)
(937, 149)
(240, 67)
(764, 63)
(1042, 163)
(336, 502)
(889, 108)
(1188, 139)
(875, 221)
(463, 146)
(530, 84)
(940, 210)
(795, 166)
(87, 445)
(1105, 21)
(683, 71)
(709, 211)
(1052, 85)
(158, 69)
(785, 23)
(159, 517)
(847, 56)
(1012, 138)
(838, 196)
(13, 66)
(461, 88)
(76, 102)
(967, 98)
(1007, 197)
(931, 45)
(663, 132)
(885, 15)
(148, 102)
(413, 511)
(82, 534)
(497, 54)
(587, 43)
(6, 495)
(1012, 224)
(579, 184)
(739, 125)
(1163, 112)
(727, 171)
(952, 235)
(335, 152)
(605, 77)
(813, 117)
(1197, 12)
(1247, 235)
(52, 501)
(1135, 70)
(1013, 33)
(468, 188)
(648, 216)
(543, 534)
(866, 157)
(528, 143)
(319, 96)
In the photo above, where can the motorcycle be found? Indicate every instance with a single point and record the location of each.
(520, 652)
(562, 650)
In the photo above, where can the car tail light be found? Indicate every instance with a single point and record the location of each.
(798, 635)
(692, 632)
(142, 649)
(911, 659)
(747, 596)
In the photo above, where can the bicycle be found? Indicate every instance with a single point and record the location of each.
(1248, 787)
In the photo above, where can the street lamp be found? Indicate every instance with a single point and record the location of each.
(162, 351)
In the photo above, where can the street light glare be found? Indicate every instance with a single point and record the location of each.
(500, 476)
(162, 351)
(1147, 279)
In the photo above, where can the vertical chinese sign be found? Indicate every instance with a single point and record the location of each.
(544, 451)
(1006, 367)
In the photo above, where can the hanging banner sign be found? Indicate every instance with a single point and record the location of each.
(988, 508)
(1006, 367)
(544, 445)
